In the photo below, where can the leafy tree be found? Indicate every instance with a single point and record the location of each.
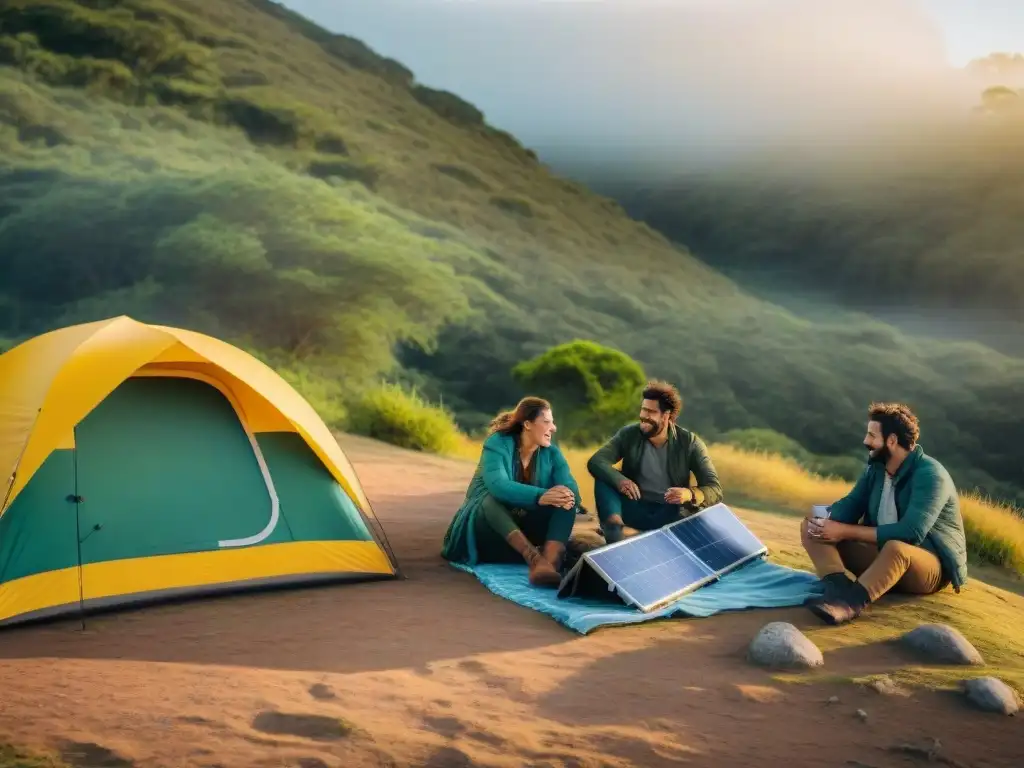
(1002, 100)
(594, 389)
(279, 260)
(999, 67)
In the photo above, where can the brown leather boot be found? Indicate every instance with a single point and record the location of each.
(542, 574)
(554, 551)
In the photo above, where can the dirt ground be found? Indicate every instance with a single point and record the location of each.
(435, 671)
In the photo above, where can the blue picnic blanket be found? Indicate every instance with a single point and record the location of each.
(760, 584)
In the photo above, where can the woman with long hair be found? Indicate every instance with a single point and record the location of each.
(522, 501)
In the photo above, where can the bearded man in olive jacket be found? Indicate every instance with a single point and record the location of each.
(653, 487)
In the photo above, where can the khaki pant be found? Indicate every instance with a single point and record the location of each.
(898, 566)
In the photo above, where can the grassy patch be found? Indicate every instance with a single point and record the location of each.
(988, 611)
(989, 617)
(395, 415)
(768, 441)
(15, 757)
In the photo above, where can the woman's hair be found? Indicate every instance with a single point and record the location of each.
(511, 422)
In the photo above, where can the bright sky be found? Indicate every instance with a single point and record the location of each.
(741, 72)
(974, 28)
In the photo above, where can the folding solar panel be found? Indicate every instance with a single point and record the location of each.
(718, 538)
(657, 567)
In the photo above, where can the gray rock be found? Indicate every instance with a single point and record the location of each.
(992, 695)
(781, 645)
(941, 644)
(862, 715)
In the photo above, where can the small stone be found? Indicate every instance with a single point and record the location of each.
(941, 644)
(862, 714)
(321, 692)
(832, 700)
(886, 686)
(992, 695)
(781, 645)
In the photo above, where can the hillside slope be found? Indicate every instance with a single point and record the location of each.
(226, 165)
(935, 226)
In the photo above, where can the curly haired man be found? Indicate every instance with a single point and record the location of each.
(899, 528)
(653, 487)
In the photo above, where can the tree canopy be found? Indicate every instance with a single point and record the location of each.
(593, 389)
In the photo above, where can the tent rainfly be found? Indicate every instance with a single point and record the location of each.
(140, 462)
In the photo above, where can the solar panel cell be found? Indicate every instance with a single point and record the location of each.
(636, 555)
(652, 568)
(666, 581)
(717, 537)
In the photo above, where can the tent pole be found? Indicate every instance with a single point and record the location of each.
(17, 465)
(78, 538)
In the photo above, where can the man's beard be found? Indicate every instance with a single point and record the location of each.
(654, 430)
(881, 456)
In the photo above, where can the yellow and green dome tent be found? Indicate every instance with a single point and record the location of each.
(140, 462)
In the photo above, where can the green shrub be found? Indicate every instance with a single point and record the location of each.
(365, 174)
(593, 389)
(394, 415)
(14, 757)
(461, 174)
(514, 205)
(448, 105)
(323, 394)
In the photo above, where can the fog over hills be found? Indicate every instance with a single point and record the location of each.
(642, 87)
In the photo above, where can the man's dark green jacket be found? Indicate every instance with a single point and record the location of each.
(927, 506)
(687, 453)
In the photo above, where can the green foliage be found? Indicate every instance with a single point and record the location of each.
(327, 396)
(285, 260)
(115, 49)
(776, 444)
(1005, 103)
(230, 167)
(353, 52)
(941, 238)
(932, 225)
(394, 415)
(13, 757)
(344, 169)
(449, 106)
(593, 389)
(461, 174)
(514, 205)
